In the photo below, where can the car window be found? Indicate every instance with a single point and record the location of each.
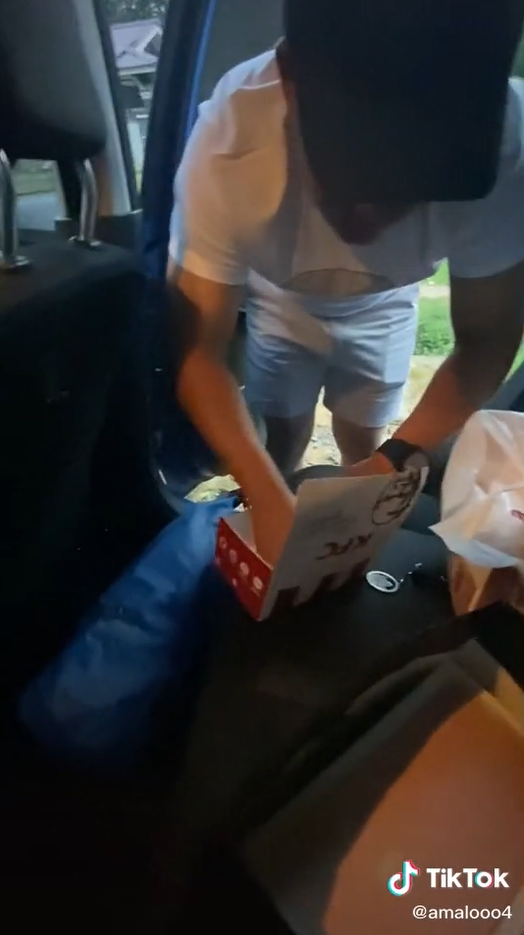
(240, 29)
(37, 185)
(136, 28)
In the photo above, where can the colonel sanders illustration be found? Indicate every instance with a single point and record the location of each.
(396, 499)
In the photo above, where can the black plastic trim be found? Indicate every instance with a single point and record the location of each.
(183, 45)
(117, 95)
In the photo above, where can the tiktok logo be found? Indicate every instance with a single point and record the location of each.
(400, 883)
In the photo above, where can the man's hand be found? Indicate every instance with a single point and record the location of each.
(272, 519)
(487, 316)
(204, 314)
(371, 467)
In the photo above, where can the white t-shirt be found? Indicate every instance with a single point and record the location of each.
(244, 214)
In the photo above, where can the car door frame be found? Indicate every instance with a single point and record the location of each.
(184, 46)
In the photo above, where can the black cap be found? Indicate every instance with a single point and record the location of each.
(402, 100)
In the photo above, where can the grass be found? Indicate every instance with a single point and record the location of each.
(519, 359)
(441, 277)
(434, 336)
(421, 372)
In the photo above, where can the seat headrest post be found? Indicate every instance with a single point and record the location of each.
(10, 259)
(88, 207)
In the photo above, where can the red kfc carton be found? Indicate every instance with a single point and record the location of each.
(339, 526)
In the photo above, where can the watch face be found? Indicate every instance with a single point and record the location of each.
(403, 455)
(418, 460)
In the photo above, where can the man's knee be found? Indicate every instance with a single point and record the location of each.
(356, 442)
(287, 440)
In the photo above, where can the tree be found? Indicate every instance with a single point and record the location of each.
(124, 11)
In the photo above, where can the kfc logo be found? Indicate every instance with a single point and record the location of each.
(396, 499)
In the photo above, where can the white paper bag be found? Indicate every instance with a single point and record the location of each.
(483, 511)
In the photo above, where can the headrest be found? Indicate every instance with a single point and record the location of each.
(49, 106)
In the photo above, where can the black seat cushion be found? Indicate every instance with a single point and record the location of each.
(63, 327)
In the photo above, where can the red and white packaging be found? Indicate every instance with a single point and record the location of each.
(339, 526)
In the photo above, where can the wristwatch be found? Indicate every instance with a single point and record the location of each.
(403, 455)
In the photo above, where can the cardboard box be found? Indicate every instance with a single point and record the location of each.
(340, 525)
(474, 587)
(438, 782)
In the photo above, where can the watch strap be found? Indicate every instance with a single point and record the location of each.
(399, 452)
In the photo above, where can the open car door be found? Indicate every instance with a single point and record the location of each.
(202, 40)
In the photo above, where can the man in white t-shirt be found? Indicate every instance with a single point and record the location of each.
(288, 200)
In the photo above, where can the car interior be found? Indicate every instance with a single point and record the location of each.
(96, 460)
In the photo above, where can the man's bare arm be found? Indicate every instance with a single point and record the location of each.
(204, 316)
(487, 316)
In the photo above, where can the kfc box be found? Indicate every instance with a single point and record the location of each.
(339, 526)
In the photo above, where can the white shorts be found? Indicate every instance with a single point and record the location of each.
(361, 361)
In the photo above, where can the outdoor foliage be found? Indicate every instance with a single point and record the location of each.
(434, 329)
(435, 336)
(125, 11)
(518, 65)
